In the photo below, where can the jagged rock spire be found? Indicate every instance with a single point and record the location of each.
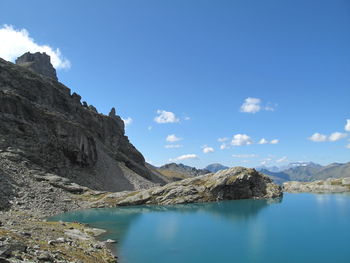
(39, 63)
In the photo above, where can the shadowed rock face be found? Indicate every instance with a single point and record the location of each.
(38, 63)
(230, 184)
(46, 125)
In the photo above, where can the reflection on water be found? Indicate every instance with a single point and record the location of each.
(118, 220)
(299, 228)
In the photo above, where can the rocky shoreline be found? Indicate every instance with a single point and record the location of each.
(27, 236)
(331, 185)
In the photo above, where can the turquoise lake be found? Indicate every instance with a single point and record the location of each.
(298, 228)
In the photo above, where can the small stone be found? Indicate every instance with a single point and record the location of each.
(111, 241)
(46, 256)
(61, 240)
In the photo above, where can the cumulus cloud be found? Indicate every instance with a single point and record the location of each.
(251, 105)
(347, 125)
(335, 136)
(241, 139)
(263, 141)
(166, 117)
(244, 155)
(127, 121)
(173, 138)
(14, 43)
(224, 146)
(184, 157)
(254, 105)
(318, 137)
(173, 146)
(207, 149)
(223, 139)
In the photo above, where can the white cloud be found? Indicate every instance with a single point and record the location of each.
(274, 141)
(14, 43)
(347, 125)
(318, 137)
(207, 149)
(187, 118)
(173, 138)
(241, 139)
(165, 117)
(335, 136)
(223, 139)
(263, 141)
(244, 155)
(172, 146)
(348, 146)
(282, 160)
(184, 157)
(127, 121)
(251, 105)
(224, 146)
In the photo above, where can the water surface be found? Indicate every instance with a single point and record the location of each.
(299, 228)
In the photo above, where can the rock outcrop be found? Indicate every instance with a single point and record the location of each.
(39, 63)
(46, 128)
(331, 185)
(230, 184)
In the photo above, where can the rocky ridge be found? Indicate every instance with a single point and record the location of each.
(331, 185)
(230, 184)
(49, 127)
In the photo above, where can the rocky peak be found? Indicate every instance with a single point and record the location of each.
(39, 63)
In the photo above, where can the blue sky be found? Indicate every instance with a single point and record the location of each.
(241, 70)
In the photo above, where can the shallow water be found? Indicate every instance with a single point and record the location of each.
(299, 228)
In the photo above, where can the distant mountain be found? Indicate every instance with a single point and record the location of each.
(306, 172)
(276, 169)
(215, 167)
(176, 172)
(277, 177)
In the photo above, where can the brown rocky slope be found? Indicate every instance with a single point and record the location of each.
(48, 126)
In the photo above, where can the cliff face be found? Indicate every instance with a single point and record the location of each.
(38, 63)
(42, 122)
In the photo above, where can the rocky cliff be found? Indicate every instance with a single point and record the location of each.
(39, 63)
(46, 128)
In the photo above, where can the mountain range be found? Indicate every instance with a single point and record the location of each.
(296, 171)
